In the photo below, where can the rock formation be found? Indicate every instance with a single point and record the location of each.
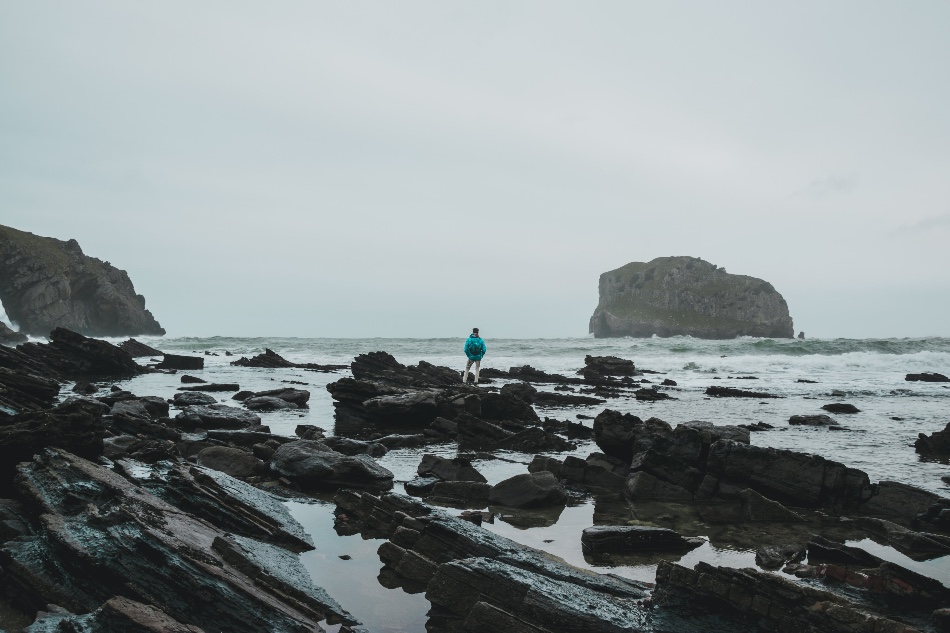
(672, 296)
(47, 283)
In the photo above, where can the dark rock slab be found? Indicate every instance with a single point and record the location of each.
(137, 349)
(460, 492)
(732, 392)
(349, 446)
(313, 465)
(22, 391)
(298, 397)
(812, 420)
(598, 367)
(117, 614)
(177, 361)
(192, 380)
(530, 490)
(625, 539)
(272, 360)
(71, 355)
(841, 407)
(937, 443)
(267, 403)
(212, 387)
(899, 502)
(927, 377)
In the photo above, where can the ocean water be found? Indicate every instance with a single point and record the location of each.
(866, 373)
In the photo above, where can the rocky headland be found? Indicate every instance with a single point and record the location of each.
(672, 296)
(47, 283)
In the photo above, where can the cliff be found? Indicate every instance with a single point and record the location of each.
(672, 296)
(47, 283)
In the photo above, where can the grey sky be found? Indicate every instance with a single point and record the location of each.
(416, 168)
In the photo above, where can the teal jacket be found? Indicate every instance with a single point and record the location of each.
(475, 347)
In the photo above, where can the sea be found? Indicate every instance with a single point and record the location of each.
(868, 373)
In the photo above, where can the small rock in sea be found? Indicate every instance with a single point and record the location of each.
(193, 380)
(841, 407)
(812, 420)
(897, 419)
(581, 416)
(345, 557)
(926, 377)
(668, 382)
(945, 479)
(806, 381)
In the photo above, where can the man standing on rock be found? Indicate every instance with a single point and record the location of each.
(475, 349)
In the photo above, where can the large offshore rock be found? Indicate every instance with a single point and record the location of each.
(672, 296)
(47, 283)
(312, 464)
(103, 535)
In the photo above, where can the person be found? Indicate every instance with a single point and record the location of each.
(475, 349)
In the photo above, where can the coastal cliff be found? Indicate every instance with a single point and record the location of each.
(47, 283)
(672, 296)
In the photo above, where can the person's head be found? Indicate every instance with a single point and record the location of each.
(475, 331)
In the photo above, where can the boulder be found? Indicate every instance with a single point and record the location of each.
(232, 461)
(116, 614)
(267, 403)
(216, 416)
(506, 406)
(841, 407)
(460, 492)
(457, 469)
(313, 465)
(625, 539)
(621, 435)
(671, 296)
(192, 398)
(643, 486)
(415, 408)
(421, 486)
(812, 420)
(298, 397)
(187, 379)
(597, 367)
(530, 490)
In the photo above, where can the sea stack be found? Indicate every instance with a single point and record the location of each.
(672, 296)
(47, 283)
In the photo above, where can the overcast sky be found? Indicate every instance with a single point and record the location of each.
(416, 168)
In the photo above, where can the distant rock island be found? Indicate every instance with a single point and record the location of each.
(47, 283)
(672, 296)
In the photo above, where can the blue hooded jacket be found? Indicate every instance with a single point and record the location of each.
(475, 347)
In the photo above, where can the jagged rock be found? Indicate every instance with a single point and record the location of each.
(527, 373)
(95, 519)
(597, 470)
(309, 432)
(732, 392)
(72, 355)
(21, 391)
(421, 486)
(272, 360)
(11, 337)
(841, 407)
(713, 433)
(777, 556)
(812, 420)
(212, 387)
(117, 614)
(349, 446)
(937, 442)
(216, 416)
(477, 434)
(457, 469)
(384, 368)
(192, 380)
(620, 435)
(137, 349)
(778, 603)
(598, 368)
(75, 425)
(232, 461)
(926, 377)
(530, 490)
(672, 296)
(46, 283)
(192, 398)
(417, 408)
(312, 464)
(177, 361)
(668, 382)
(505, 406)
(624, 539)
(652, 395)
(404, 441)
(142, 417)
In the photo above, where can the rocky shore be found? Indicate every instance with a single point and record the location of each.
(120, 514)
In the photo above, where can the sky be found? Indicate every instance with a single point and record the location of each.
(415, 169)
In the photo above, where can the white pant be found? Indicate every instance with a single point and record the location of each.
(468, 365)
